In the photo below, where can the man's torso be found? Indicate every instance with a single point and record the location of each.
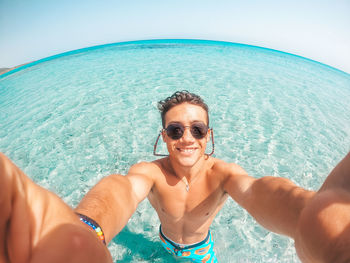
(187, 215)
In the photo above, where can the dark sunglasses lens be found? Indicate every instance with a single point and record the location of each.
(199, 130)
(175, 131)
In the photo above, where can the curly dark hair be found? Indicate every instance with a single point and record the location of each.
(180, 97)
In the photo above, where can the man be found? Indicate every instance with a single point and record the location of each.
(187, 189)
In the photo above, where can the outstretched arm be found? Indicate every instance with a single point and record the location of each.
(36, 226)
(323, 232)
(275, 203)
(339, 178)
(115, 198)
(318, 222)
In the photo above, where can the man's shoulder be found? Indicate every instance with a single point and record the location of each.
(146, 168)
(226, 167)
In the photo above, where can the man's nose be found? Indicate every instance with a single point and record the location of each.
(188, 137)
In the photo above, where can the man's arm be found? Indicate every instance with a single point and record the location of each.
(115, 198)
(36, 226)
(339, 176)
(275, 203)
(324, 226)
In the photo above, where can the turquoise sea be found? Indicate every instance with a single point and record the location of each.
(71, 119)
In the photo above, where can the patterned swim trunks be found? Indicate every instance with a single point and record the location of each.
(198, 252)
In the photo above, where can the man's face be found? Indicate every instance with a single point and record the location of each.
(187, 150)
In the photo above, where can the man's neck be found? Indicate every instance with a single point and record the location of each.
(190, 172)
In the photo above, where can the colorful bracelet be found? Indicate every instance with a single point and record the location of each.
(93, 224)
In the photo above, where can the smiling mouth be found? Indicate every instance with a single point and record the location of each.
(186, 150)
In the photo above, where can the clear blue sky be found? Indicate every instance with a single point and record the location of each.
(34, 29)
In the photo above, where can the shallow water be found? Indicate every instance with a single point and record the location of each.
(70, 120)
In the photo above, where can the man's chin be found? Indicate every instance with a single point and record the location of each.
(187, 161)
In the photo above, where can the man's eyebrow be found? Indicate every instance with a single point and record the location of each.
(174, 122)
(194, 121)
(198, 121)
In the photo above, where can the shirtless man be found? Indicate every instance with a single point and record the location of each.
(187, 189)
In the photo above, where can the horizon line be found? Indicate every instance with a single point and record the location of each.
(20, 67)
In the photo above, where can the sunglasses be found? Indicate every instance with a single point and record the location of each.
(176, 130)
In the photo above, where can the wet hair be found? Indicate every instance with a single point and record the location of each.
(178, 98)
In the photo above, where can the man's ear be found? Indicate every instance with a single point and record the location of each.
(208, 135)
(163, 135)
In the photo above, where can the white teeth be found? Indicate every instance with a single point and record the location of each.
(187, 150)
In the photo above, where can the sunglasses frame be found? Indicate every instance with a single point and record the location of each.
(182, 127)
(208, 154)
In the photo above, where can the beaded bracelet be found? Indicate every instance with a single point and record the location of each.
(93, 224)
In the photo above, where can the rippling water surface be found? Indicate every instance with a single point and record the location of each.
(72, 119)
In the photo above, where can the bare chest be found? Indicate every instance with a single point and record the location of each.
(203, 199)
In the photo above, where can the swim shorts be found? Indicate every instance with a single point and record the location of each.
(198, 252)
